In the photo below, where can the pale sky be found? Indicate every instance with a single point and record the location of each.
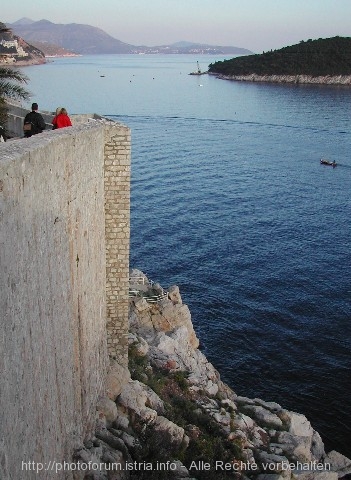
(258, 25)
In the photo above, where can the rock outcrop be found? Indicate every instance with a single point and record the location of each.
(297, 79)
(174, 418)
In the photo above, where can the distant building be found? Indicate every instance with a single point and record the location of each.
(10, 49)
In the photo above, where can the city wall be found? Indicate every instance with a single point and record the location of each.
(64, 230)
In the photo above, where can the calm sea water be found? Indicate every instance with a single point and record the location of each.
(229, 201)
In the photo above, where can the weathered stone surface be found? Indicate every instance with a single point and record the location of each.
(272, 460)
(299, 425)
(317, 447)
(141, 304)
(259, 438)
(271, 406)
(165, 315)
(243, 422)
(228, 403)
(264, 417)
(140, 400)
(274, 476)
(117, 377)
(121, 421)
(174, 294)
(172, 433)
(296, 447)
(315, 476)
(108, 408)
(338, 462)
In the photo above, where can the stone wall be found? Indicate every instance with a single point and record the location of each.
(117, 208)
(54, 272)
(14, 127)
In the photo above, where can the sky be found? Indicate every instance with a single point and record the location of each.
(258, 25)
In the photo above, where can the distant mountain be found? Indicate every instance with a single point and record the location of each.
(82, 39)
(85, 39)
(322, 57)
(23, 21)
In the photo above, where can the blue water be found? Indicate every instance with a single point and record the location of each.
(229, 201)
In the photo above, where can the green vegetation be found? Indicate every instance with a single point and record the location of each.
(10, 78)
(322, 57)
(207, 442)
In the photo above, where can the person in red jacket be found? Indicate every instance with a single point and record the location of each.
(61, 119)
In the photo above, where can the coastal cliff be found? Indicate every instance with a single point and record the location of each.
(295, 79)
(170, 416)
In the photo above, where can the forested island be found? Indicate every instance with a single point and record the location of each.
(325, 60)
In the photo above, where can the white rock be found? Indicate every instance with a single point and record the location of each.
(264, 417)
(116, 378)
(296, 447)
(338, 463)
(108, 408)
(272, 406)
(243, 422)
(315, 476)
(174, 434)
(211, 388)
(259, 437)
(174, 294)
(135, 396)
(299, 425)
(141, 304)
(317, 447)
(270, 459)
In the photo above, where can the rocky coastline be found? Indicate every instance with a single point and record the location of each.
(294, 79)
(170, 416)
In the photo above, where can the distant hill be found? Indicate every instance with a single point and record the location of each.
(51, 50)
(82, 39)
(322, 57)
(23, 21)
(201, 48)
(85, 39)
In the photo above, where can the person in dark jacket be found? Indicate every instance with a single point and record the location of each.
(33, 122)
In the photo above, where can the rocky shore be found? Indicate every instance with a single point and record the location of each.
(171, 417)
(297, 79)
(25, 62)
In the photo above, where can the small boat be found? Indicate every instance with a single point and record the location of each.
(198, 71)
(327, 162)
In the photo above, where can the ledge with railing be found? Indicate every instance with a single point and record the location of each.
(147, 289)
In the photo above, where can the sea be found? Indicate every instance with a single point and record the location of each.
(230, 202)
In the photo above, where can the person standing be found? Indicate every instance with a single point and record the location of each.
(33, 122)
(2, 134)
(61, 119)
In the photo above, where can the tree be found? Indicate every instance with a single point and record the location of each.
(10, 82)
